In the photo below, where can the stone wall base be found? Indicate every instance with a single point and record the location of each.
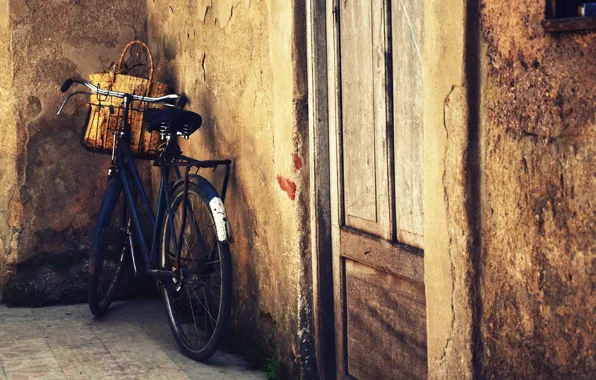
(61, 279)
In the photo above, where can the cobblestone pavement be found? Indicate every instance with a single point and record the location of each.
(133, 342)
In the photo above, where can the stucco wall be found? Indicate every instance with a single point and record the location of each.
(509, 263)
(8, 141)
(51, 188)
(449, 239)
(241, 63)
(539, 214)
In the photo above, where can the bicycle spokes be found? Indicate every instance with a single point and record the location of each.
(196, 298)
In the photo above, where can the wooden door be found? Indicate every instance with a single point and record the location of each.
(378, 256)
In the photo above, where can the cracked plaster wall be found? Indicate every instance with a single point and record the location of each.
(242, 65)
(539, 214)
(509, 262)
(448, 228)
(8, 141)
(51, 188)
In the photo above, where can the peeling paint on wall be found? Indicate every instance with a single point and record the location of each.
(240, 68)
(222, 10)
(288, 186)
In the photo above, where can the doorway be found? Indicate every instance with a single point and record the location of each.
(373, 118)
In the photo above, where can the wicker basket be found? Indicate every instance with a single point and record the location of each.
(105, 112)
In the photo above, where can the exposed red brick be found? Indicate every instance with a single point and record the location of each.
(288, 186)
(297, 162)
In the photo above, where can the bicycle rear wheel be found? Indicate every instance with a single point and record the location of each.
(109, 248)
(198, 307)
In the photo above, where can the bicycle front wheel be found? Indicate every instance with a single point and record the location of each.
(198, 306)
(109, 248)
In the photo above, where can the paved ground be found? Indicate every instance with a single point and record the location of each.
(133, 342)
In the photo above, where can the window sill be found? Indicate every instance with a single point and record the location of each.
(570, 24)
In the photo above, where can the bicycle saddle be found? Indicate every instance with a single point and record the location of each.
(172, 121)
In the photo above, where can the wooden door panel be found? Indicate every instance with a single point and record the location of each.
(364, 148)
(408, 101)
(378, 280)
(358, 100)
(386, 325)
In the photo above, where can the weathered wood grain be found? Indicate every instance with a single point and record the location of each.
(358, 111)
(379, 304)
(363, 109)
(408, 107)
(386, 325)
(395, 259)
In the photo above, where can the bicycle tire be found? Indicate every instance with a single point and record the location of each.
(104, 248)
(198, 274)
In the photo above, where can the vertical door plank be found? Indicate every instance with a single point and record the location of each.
(379, 46)
(358, 110)
(363, 96)
(408, 91)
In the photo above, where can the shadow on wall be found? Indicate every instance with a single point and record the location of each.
(58, 187)
(226, 76)
(241, 336)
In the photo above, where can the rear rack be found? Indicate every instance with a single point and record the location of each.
(189, 163)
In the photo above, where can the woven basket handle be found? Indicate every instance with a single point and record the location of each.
(127, 47)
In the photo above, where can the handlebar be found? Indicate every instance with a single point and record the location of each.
(70, 81)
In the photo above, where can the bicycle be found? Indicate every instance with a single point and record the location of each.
(192, 265)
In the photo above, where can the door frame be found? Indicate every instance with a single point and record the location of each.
(322, 109)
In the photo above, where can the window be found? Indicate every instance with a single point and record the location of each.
(569, 15)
